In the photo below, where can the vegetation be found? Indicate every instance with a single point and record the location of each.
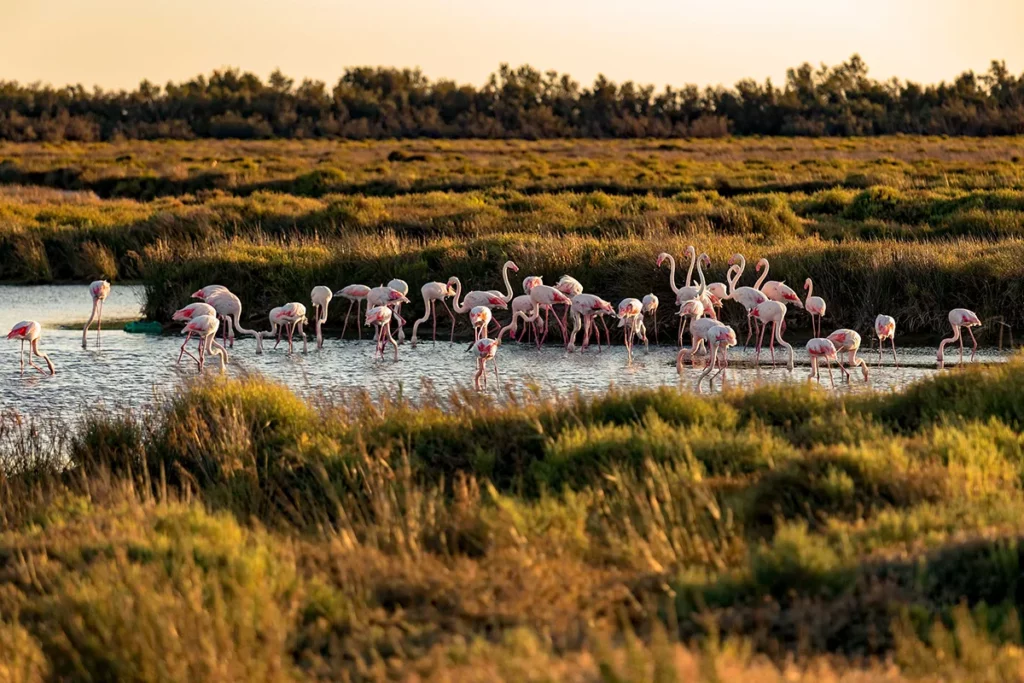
(237, 532)
(514, 103)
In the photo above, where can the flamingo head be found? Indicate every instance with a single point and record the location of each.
(706, 260)
(479, 314)
(661, 259)
(690, 251)
(497, 302)
(453, 282)
(807, 283)
(715, 301)
(532, 281)
(602, 305)
(182, 314)
(733, 259)
(726, 335)
(760, 264)
(512, 266)
(198, 294)
(692, 307)
(449, 290)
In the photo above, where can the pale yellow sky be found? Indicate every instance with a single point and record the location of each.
(116, 43)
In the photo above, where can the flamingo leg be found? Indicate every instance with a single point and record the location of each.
(750, 331)
(760, 341)
(828, 363)
(21, 357)
(960, 337)
(497, 380)
(291, 331)
(187, 337)
(433, 319)
(771, 342)
(347, 314)
(656, 342)
(99, 322)
(893, 340)
(974, 344)
(880, 341)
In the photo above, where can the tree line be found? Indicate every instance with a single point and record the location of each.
(518, 102)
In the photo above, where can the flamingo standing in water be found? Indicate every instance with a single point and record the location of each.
(748, 297)
(650, 303)
(485, 350)
(585, 308)
(476, 297)
(848, 341)
(30, 331)
(321, 297)
(393, 299)
(432, 293)
(229, 308)
(885, 328)
(778, 290)
(380, 316)
(686, 292)
(205, 328)
(356, 295)
(480, 319)
(184, 315)
(545, 297)
(815, 306)
(823, 350)
(961, 318)
(99, 290)
(207, 291)
(402, 287)
(290, 317)
(719, 338)
(522, 307)
(630, 310)
(772, 312)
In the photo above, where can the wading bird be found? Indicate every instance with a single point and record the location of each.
(772, 312)
(356, 295)
(380, 316)
(815, 306)
(650, 303)
(204, 327)
(393, 299)
(748, 297)
(229, 309)
(402, 287)
(432, 293)
(848, 341)
(823, 350)
(490, 298)
(885, 328)
(321, 297)
(207, 291)
(485, 350)
(961, 318)
(778, 290)
(184, 315)
(545, 297)
(719, 338)
(480, 319)
(629, 311)
(99, 290)
(30, 331)
(585, 308)
(290, 317)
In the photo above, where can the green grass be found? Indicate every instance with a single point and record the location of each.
(237, 531)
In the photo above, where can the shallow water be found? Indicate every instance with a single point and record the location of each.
(130, 369)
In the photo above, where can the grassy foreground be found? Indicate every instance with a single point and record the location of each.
(240, 533)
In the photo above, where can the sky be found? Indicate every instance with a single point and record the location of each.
(117, 43)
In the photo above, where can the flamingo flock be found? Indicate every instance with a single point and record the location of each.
(699, 306)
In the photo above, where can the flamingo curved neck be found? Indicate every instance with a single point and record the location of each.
(459, 307)
(672, 274)
(689, 272)
(810, 291)
(700, 273)
(760, 280)
(738, 269)
(508, 285)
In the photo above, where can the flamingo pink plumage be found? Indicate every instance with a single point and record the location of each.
(380, 316)
(205, 328)
(356, 295)
(30, 331)
(961, 318)
(432, 293)
(821, 349)
(814, 305)
(885, 328)
(321, 297)
(719, 338)
(848, 341)
(99, 290)
(773, 312)
(485, 350)
(184, 315)
(629, 311)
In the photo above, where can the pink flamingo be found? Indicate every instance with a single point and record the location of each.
(885, 328)
(507, 295)
(650, 303)
(699, 330)
(531, 281)
(321, 297)
(485, 350)
(545, 297)
(814, 305)
(229, 308)
(748, 297)
(381, 317)
(719, 338)
(718, 292)
(356, 295)
(480, 319)
(30, 331)
(99, 290)
(629, 312)
(207, 291)
(393, 299)
(291, 317)
(848, 341)
(184, 315)
(772, 312)
(522, 307)
(476, 297)
(584, 308)
(402, 287)
(961, 318)
(700, 294)
(778, 290)
(432, 293)
(683, 293)
(205, 328)
(569, 286)
(823, 350)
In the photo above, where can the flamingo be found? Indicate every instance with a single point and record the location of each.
(961, 318)
(650, 303)
(485, 350)
(719, 338)
(584, 308)
(823, 350)
(507, 296)
(531, 281)
(207, 291)
(848, 341)
(489, 298)
(30, 331)
(205, 328)
(885, 328)
(683, 293)
(700, 294)
(569, 286)
(814, 305)
(184, 315)
(545, 297)
(699, 329)
(402, 287)
(393, 299)
(778, 290)
(291, 316)
(748, 297)
(381, 317)
(629, 311)
(772, 312)
(99, 290)
(229, 308)
(356, 294)
(480, 318)
(432, 293)
(523, 306)
(718, 292)
(321, 297)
